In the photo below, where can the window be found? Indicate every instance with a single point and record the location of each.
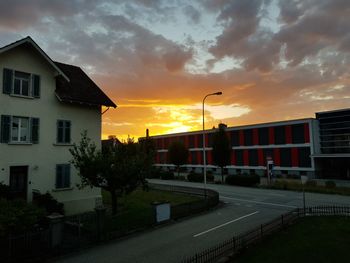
(286, 157)
(191, 140)
(263, 136)
(21, 83)
(63, 131)
(298, 133)
(280, 135)
(194, 157)
(253, 157)
(20, 129)
(15, 129)
(239, 157)
(234, 138)
(304, 157)
(248, 137)
(62, 176)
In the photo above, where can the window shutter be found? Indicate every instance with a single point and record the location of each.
(5, 128)
(7, 81)
(59, 131)
(67, 175)
(36, 86)
(35, 130)
(67, 132)
(58, 176)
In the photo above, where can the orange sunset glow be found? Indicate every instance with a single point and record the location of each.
(273, 60)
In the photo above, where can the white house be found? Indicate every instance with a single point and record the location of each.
(44, 108)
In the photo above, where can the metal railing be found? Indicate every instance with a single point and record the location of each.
(234, 245)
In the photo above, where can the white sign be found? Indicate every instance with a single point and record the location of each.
(162, 212)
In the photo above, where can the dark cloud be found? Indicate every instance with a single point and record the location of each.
(20, 14)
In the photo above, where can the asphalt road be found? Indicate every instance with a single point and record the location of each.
(244, 209)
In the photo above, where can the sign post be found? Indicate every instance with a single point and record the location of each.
(269, 169)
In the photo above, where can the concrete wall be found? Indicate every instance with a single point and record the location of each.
(42, 158)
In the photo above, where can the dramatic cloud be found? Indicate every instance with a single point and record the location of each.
(272, 59)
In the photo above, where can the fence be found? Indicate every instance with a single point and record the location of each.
(236, 244)
(29, 245)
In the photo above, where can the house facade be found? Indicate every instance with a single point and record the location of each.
(317, 147)
(44, 108)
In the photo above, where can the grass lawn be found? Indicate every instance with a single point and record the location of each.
(135, 210)
(313, 239)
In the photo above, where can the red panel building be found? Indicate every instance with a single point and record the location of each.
(287, 143)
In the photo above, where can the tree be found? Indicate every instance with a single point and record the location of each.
(178, 154)
(147, 152)
(221, 149)
(114, 169)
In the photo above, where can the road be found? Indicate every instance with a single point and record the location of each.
(244, 209)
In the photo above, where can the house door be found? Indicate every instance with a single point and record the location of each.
(19, 181)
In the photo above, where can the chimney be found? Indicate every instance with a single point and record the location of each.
(147, 133)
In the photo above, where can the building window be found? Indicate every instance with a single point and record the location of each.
(21, 83)
(20, 129)
(304, 157)
(62, 176)
(63, 131)
(253, 157)
(194, 157)
(248, 137)
(191, 140)
(234, 138)
(239, 157)
(286, 157)
(263, 136)
(298, 133)
(280, 135)
(16, 129)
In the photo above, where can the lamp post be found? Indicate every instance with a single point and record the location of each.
(204, 157)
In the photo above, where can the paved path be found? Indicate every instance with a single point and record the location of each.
(244, 208)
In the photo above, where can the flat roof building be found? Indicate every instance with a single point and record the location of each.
(317, 147)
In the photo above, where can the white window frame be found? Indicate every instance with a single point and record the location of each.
(21, 79)
(19, 131)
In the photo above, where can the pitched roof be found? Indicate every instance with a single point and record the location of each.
(72, 84)
(80, 89)
(28, 40)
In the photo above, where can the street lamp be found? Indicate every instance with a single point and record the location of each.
(204, 157)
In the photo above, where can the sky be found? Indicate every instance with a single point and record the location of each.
(156, 59)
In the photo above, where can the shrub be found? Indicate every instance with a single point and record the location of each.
(330, 184)
(243, 180)
(47, 202)
(17, 216)
(196, 177)
(311, 183)
(4, 191)
(154, 173)
(166, 175)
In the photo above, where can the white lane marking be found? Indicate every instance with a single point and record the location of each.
(229, 222)
(257, 202)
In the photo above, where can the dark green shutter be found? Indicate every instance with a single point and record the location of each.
(5, 128)
(36, 86)
(7, 81)
(67, 175)
(59, 131)
(67, 132)
(59, 176)
(35, 130)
